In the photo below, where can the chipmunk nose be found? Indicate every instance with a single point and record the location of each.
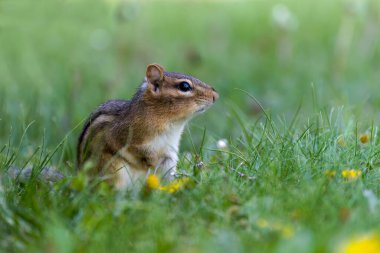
(215, 95)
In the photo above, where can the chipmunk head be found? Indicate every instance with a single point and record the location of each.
(177, 95)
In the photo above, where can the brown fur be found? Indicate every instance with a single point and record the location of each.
(119, 131)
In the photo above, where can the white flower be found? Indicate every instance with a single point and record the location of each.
(222, 144)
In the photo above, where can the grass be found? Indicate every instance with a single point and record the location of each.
(272, 189)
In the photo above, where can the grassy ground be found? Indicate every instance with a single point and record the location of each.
(301, 177)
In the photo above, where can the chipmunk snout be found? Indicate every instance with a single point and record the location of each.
(215, 95)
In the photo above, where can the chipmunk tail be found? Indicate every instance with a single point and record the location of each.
(23, 175)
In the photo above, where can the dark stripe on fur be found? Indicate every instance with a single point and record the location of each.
(111, 107)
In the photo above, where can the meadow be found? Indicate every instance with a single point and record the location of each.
(287, 160)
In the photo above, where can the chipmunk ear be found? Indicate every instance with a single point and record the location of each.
(155, 73)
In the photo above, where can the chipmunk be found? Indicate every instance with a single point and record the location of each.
(124, 139)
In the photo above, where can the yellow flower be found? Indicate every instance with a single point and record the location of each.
(369, 243)
(351, 174)
(287, 231)
(330, 173)
(175, 185)
(262, 223)
(341, 141)
(153, 182)
(364, 138)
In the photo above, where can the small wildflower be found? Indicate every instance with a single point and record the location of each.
(153, 182)
(262, 223)
(341, 141)
(287, 231)
(222, 144)
(369, 243)
(364, 138)
(199, 164)
(175, 185)
(351, 174)
(330, 173)
(284, 230)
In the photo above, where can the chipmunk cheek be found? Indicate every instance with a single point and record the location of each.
(195, 107)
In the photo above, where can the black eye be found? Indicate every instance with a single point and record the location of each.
(184, 86)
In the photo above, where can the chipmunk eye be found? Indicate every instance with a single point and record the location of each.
(184, 86)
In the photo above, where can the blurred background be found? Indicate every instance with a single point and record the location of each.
(60, 59)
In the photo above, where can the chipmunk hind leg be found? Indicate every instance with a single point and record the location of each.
(128, 177)
(121, 175)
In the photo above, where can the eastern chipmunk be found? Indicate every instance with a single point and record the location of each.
(126, 138)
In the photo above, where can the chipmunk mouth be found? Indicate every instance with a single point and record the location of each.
(203, 108)
(203, 105)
